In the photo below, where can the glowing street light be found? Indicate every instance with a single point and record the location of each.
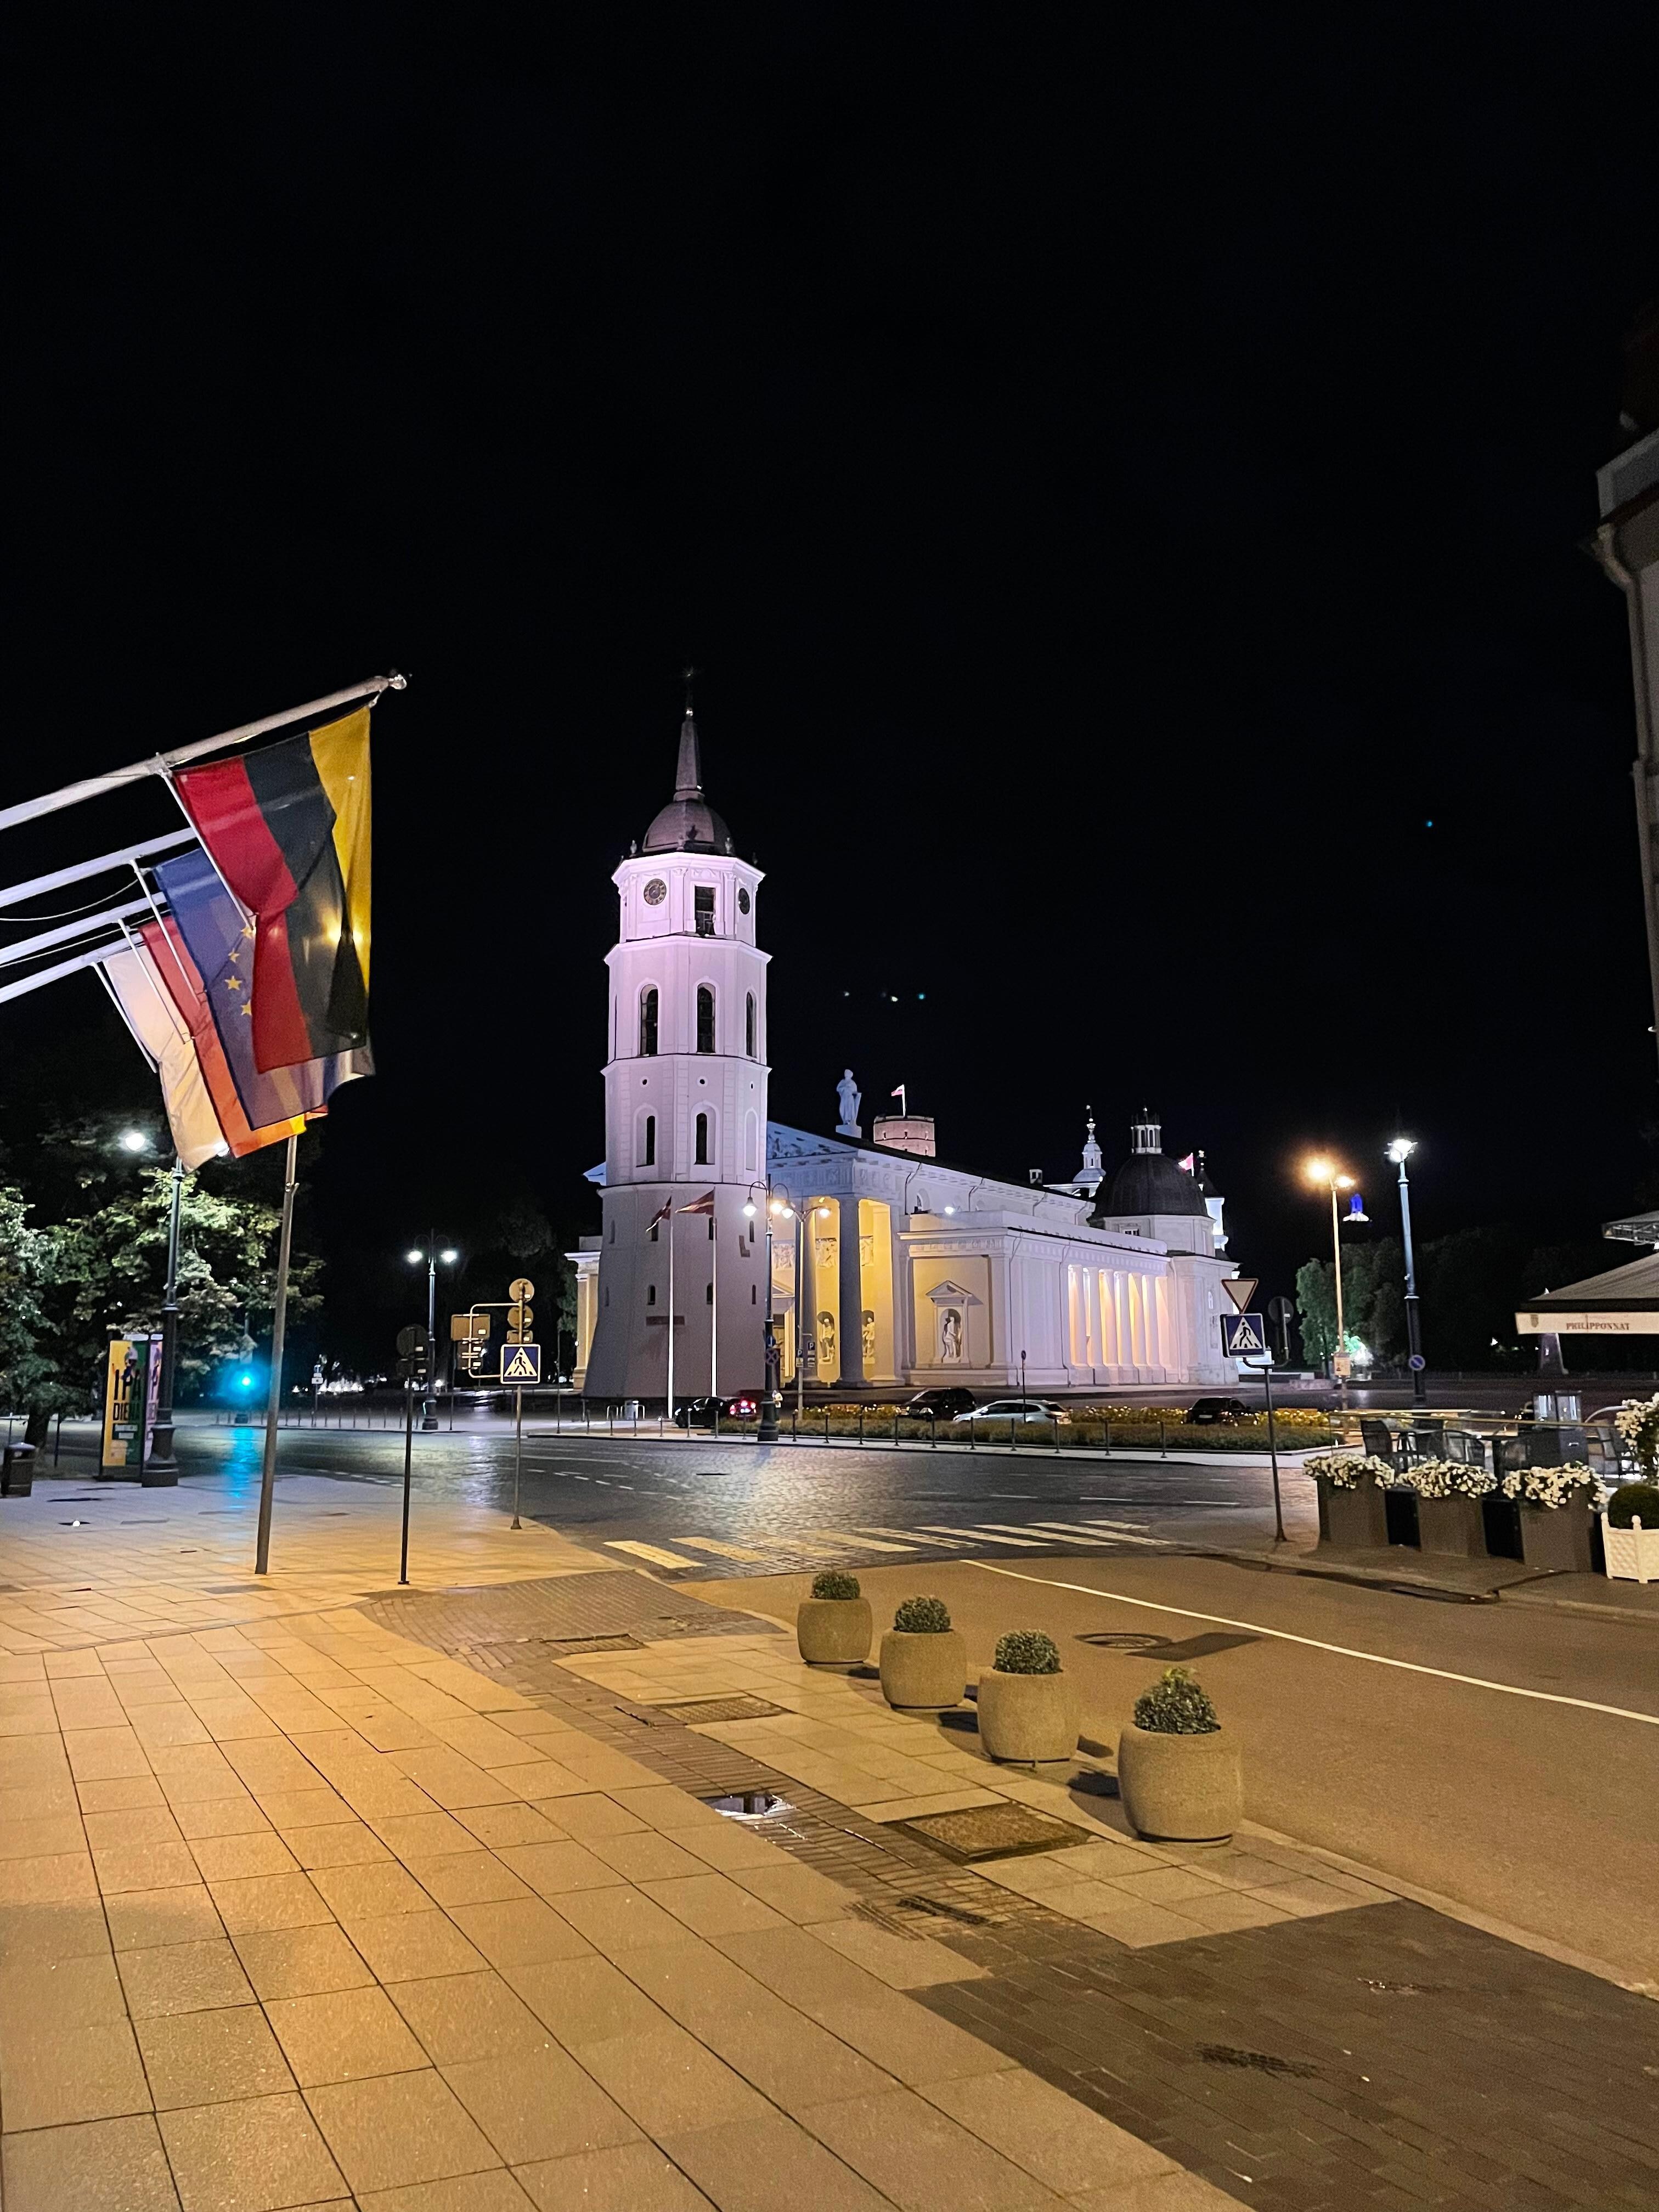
(431, 1261)
(1325, 1175)
(1400, 1152)
(133, 1140)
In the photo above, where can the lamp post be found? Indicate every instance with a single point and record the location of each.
(799, 1214)
(161, 1466)
(1400, 1152)
(1327, 1174)
(448, 1256)
(767, 1431)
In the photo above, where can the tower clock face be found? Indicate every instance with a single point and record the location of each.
(655, 891)
(743, 902)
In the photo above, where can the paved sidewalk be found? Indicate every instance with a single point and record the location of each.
(300, 1912)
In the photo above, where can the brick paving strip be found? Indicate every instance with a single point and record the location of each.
(1316, 2047)
(308, 1912)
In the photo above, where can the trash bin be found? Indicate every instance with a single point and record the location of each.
(18, 1471)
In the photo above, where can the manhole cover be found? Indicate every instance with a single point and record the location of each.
(1124, 1639)
(749, 1804)
(991, 1832)
(691, 1710)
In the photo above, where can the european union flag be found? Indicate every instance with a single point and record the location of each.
(220, 944)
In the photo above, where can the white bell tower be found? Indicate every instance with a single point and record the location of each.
(685, 1112)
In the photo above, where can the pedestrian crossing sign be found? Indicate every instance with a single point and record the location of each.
(521, 1363)
(1244, 1336)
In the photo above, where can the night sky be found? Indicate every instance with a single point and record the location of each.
(1125, 486)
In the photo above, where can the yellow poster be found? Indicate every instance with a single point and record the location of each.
(126, 1393)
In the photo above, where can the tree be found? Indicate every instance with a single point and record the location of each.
(1315, 1311)
(1373, 1302)
(93, 1269)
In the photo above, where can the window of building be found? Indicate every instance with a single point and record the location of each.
(701, 1157)
(650, 1294)
(705, 1017)
(708, 1294)
(702, 909)
(754, 1295)
(749, 1024)
(648, 1148)
(648, 1021)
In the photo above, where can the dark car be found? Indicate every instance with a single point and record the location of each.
(1216, 1409)
(699, 1413)
(946, 1403)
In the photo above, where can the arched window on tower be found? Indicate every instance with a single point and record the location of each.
(705, 1017)
(749, 1024)
(701, 1159)
(648, 1143)
(648, 1021)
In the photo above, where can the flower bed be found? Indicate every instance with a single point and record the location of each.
(1441, 1478)
(1346, 1470)
(1550, 1488)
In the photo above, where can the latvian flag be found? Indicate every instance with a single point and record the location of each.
(288, 828)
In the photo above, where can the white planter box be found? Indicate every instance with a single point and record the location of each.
(1632, 1554)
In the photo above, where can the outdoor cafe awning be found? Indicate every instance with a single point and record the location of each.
(1624, 1301)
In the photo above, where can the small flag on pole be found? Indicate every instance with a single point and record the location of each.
(660, 1216)
(703, 1204)
(897, 1092)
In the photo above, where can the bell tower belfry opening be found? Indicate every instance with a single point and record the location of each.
(685, 1112)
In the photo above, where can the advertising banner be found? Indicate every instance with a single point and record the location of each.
(130, 1383)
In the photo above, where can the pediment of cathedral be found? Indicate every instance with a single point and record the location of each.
(948, 1293)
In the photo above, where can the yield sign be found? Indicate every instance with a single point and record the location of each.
(1241, 1289)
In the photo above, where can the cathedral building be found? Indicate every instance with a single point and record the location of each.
(889, 1269)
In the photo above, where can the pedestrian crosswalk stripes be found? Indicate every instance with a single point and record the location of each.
(654, 1553)
(787, 1550)
(984, 1535)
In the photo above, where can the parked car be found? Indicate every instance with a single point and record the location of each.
(1216, 1409)
(1016, 1409)
(945, 1402)
(699, 1413)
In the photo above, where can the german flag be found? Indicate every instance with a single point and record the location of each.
(288, 828)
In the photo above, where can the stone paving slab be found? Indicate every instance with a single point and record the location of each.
(1372, 2054)
(305, 1912)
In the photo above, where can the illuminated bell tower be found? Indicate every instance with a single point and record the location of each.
(684, 1111)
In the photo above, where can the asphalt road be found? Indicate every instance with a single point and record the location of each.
(689, 1506)
(1538, 1812)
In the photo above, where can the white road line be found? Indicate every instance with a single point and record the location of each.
(720, 1551)
(970, 1537)
(652, 1551)
(1067, 1528)
(1314, 1643)
(917, 1536)
(859, 1542)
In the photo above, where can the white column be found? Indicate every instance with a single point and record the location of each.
(851, 1332)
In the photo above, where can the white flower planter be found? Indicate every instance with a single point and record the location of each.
(1632, 1554)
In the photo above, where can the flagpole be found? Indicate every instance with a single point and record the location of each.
(714, 1311)
(94, 787)
(671, 1309)
(274, 1396)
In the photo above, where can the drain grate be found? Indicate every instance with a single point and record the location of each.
(691, 1710)
(1261, 2061)
(991, 1832)
(749, 1804)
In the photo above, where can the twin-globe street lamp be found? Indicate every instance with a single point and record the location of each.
(1325, 1173)
(448, 1257)
(780, 1209)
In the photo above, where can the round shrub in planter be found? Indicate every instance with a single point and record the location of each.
(1028, 1707)
(1178, 1770)
(923, 1661)
(833, 1626)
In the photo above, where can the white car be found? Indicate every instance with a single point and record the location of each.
(1016, 1409)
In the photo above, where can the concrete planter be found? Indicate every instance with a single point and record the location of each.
(834, 1632)
(1354, 1520)
(1027, 1717)
(1184, 1789)
(1557, 1539)
(1452, 1525)
(923, 1674)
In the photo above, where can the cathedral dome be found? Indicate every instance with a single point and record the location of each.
(1147, 1182)
(688, 823)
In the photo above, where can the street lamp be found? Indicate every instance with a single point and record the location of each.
(162, 1465)
(798, 1214)
(1325, 1175)
(767, 1431)
(433, 1260)
(1400, 1152)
